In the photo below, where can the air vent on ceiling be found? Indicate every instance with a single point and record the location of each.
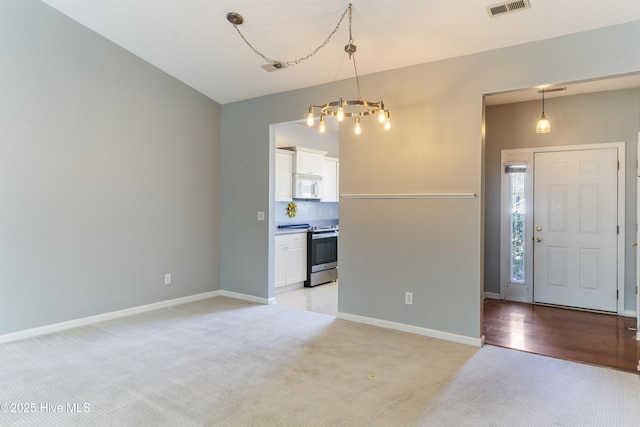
(507, 7)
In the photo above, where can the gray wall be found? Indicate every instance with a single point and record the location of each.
(431, 247)
(109, 175)
(580, 119)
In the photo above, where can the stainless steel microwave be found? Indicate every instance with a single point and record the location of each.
(307, 186)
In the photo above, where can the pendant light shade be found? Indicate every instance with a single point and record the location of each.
(543, 124)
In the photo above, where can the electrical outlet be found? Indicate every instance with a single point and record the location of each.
(408, 298)
(167, 279)
(260, 216)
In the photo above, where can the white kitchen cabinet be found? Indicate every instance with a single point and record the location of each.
(330, 180)
(308, 161)
(290, 259)
(280, 278)
(284, 175)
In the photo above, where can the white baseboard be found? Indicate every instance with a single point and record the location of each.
(476, 342)
(491, 295)
(516, 299)
(77, 323)
(246, 297)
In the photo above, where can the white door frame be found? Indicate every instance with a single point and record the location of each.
(638, 240)
(525, 156)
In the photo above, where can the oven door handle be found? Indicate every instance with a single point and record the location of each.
(328, 235)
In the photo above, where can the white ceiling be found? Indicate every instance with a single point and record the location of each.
(193, 41)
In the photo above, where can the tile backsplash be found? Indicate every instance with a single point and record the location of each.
(307, 212)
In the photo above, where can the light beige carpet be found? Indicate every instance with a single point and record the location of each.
(224, 362)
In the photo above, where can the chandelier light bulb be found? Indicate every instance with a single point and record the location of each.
(387, 121)
(310, 118)
(323, 125)
(357, 129)
(340, 115)
(382, 115)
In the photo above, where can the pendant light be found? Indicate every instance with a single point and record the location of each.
(543, 124)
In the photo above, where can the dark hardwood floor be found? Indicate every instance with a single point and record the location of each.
(581, 336)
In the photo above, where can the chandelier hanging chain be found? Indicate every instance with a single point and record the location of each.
(355, 69)
(351, 50)
(299, 60)
(350, 16)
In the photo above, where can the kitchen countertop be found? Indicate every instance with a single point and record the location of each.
(316, 223)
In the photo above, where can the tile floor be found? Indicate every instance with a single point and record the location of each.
(319, 299)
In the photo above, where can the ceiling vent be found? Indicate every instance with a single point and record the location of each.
(508, 7)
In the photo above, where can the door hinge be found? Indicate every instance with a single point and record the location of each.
(617, 293)
(617, 229)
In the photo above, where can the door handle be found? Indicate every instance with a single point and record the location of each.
(634, 244)
(538, 239)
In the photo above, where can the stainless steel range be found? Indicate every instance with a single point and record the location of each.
(322, 255)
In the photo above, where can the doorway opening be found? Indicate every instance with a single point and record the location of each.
(508, 126)
(562, 226)
(305, 219)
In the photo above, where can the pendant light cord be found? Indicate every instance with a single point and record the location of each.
(355, 69)
(352, 55)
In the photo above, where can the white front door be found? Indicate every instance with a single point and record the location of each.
(575, 228)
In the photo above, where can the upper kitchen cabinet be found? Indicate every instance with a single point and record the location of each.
(330, 179)
(284, 175)
(308, 161)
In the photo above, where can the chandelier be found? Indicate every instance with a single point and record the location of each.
(356, 108)
(340, 109)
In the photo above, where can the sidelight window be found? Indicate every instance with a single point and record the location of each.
(517, 206)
